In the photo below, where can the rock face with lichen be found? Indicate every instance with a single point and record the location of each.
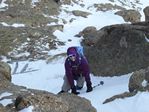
(130, 15)
(138, 81)
(137, 78)
(5, 71)
(33, 34)
(146, 12)
(117, 49)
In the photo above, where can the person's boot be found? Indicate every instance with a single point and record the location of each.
(78, 88)
(61, 92)
(74, 91)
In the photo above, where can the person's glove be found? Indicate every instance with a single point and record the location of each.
(89, 88)
(74, 91)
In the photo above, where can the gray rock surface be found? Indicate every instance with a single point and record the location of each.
(5, 71)
(146, 13)
(137, 78)
(117, 49)
(130, 15)
(135, 85)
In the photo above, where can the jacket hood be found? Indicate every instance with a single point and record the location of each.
(71, 51)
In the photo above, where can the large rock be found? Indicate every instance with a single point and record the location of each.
(80, 13)
(139, 81)
(146, 12)
(90, 34)
(43, 101)
(129, 15)
(137, 78)
(5, 71)
(84, 106)
(118, 49)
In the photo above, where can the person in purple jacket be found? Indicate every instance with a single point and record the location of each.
(76, 69)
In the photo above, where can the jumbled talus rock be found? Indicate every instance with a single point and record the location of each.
(139, 81)
(41, 101)
(5, 71)
(21, 103)
(137, 78)
(130, 15)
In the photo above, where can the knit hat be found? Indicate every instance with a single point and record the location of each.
(71, 51)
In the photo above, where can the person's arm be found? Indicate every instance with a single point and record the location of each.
(85, 71)
(86, 74)
(68, 72)
(69, 76)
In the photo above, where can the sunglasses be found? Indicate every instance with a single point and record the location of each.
(72, 55)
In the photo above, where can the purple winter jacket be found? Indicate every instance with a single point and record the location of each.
(74, 69)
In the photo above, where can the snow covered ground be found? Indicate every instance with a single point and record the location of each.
(49, 76)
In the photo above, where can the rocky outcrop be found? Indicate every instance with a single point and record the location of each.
(76, 104)
(117, 49)
(107, 7)
(91, 35)
(5, 71)
(80, 13)
(122, 96)
(146, 12)
(34, 32)
(137, 78)
(130, 15)
(138, 81)
(42, 101)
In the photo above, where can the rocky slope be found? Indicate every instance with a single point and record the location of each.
(20, 97)
(26, 33)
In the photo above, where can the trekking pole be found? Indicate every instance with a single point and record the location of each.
(101, 83)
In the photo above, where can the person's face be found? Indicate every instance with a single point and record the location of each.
(72, 57)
